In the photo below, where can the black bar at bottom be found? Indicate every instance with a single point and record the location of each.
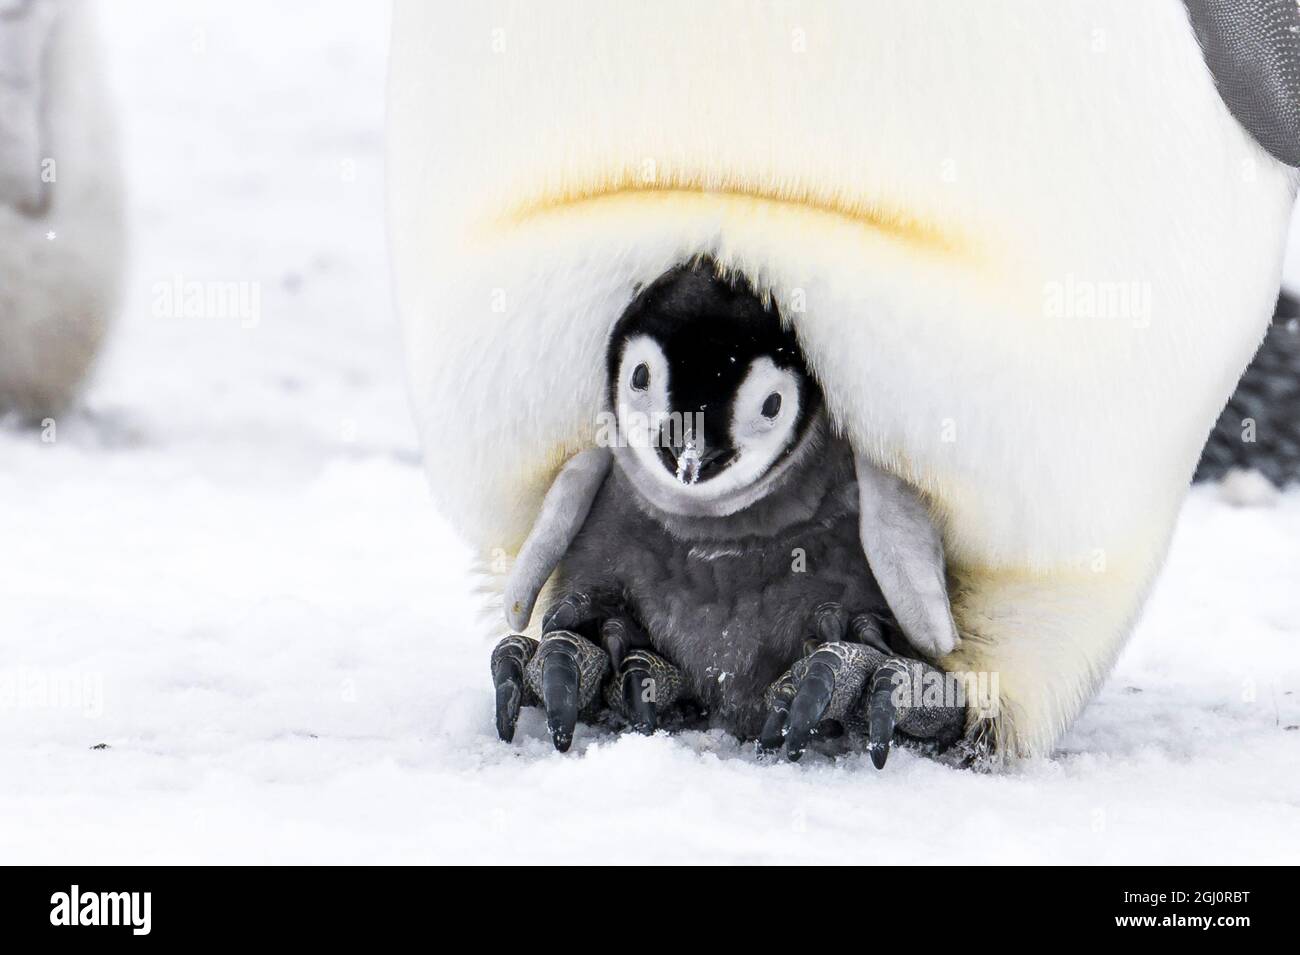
(332, 905)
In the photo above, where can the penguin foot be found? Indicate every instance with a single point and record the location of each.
(861, 688)
(570, 677)
(644, 686)
(562, 673)
(566, 674)
(509, 658)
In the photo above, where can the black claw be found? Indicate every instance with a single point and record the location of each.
(832, 621)
(640, 705)
(810, 704)
(881, 715)
(773, 733)
(613, 635)
(879, 753)
(568, 613)
(866, 628)
(560, 695)
(508, 697)
(508, 679)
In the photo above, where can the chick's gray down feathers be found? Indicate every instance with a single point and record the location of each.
(1260, 427)
(730, 601)
(727, 572)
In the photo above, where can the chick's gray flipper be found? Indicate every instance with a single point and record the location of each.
(564, 510)
(906, 555)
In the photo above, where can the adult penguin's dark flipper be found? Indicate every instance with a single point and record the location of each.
(1252, 48)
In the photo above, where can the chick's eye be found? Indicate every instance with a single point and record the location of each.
(640, 377)
(772, 406)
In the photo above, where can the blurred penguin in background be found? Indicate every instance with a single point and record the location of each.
(61, 229)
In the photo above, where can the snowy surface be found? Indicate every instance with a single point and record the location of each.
(227, 569)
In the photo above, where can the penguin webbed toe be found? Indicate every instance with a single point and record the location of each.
(854, 682)
(571, 677)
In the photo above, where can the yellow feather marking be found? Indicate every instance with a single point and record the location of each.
(892, 222)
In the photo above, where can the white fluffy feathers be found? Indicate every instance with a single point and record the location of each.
(1027, 250)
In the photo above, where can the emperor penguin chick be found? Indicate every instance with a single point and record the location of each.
(721, 526)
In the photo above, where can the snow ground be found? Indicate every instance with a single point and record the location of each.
(227, 570)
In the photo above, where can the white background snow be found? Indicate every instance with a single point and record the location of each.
(231, 558)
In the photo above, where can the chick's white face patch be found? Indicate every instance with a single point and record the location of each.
(662, 449)
(642, 397)
(664, 444)
(763, 420)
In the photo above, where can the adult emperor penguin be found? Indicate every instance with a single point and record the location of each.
(61, 231)
(1027, 249)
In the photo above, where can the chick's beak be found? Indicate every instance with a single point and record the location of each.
(690, 461)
